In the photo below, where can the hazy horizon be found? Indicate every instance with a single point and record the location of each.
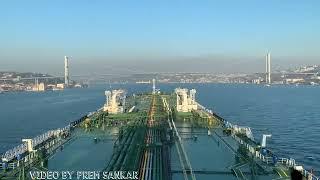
(166, 36)
(209, 64)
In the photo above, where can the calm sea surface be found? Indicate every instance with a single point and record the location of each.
(291, 114)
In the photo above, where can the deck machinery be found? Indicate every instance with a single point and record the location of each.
(144, 146)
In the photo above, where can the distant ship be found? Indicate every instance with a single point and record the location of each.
(143, 82)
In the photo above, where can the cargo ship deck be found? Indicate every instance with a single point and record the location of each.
(150, 139)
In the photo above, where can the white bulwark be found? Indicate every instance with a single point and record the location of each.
(115, 101)
(186, 102)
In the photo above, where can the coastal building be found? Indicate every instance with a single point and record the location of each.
(61, 86)
(256, 81)
(294, 80)
(39, 87)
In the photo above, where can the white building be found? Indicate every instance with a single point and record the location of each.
(39, 87)
(256, 81)
(60, 86)
(294, 80)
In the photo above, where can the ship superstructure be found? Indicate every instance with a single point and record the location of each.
(115, 101)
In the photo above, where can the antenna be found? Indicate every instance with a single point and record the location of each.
(153, 86)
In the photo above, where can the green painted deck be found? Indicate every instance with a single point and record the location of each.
(83, 153)
(145, 143)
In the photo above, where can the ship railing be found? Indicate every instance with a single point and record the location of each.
(267, 159)
(28, 158)
(14, 152)
(245, 129)
(43, 137)
(202, 107)
(288, 162)
(75, 123)
(309, 175)
(22, 148)
(12, 165)
(10, 154)
(8, 166)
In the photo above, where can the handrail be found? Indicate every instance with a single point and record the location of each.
(22, 148)
(288, 162)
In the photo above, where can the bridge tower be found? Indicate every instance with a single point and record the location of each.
(268, 68)
(66, 71)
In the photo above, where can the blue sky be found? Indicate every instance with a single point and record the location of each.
(37, 34)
